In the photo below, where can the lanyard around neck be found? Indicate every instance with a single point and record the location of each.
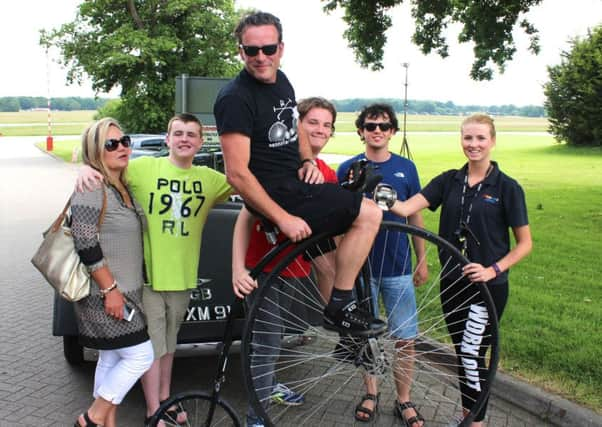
(463, 227)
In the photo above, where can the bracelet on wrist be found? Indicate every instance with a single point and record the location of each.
(104, 292)
(497, 269)
(312, 161)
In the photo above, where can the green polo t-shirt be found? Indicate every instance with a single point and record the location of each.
(176, 203)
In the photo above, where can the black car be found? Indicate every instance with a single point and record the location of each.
(210, 154)
(147, 144)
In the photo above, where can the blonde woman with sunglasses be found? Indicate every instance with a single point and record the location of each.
(110, 319)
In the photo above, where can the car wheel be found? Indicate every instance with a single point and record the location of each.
(73, 350)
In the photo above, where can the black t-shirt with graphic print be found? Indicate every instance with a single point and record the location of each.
(267, 114)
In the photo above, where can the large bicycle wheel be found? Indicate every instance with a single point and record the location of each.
(454, 358)
(198, 411)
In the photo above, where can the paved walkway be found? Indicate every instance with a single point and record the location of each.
(37, 386)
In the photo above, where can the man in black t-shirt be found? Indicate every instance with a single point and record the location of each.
(270, 164)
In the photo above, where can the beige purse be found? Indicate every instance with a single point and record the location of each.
(58, 261)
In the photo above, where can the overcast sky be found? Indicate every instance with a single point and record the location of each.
(317, 59)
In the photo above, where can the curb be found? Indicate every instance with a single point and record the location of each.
(549, 407)
(546, 406)
(49, 153)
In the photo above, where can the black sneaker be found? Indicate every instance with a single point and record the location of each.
(352, 320)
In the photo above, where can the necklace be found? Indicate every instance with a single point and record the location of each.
(463, 228)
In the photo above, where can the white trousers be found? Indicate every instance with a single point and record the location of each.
(118, 370)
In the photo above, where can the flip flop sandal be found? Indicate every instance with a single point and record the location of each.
(89, 422)
(362, 409)
(409, 422)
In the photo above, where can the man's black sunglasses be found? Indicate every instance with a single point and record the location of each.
(371, 127)
(268, 49)
(112, 144)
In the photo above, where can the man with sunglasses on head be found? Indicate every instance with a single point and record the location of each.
(392, 273)
(176, 197)
(269, 162)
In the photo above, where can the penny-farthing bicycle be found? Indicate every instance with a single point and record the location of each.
(449, 387)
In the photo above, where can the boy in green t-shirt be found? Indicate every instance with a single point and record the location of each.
(176, 197)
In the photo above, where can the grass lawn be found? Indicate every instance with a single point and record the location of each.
(42, 130)
(551, 332)
(418, 123)
(64, 149)
(35, 123)
(42, 116)
(74, 122)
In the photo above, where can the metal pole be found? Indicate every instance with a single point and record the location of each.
(49, 145)
(405, 148)
(184, 93)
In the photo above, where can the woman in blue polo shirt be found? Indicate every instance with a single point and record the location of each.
(479, 204)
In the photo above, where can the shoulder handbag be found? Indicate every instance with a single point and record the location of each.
(59, 262)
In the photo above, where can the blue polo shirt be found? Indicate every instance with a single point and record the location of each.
(390, 255)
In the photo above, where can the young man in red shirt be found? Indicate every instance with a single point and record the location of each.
(317, 117)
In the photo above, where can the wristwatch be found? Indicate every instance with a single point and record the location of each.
(497, 269)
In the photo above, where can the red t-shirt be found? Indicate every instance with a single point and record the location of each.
(259, 245)
(329, 174)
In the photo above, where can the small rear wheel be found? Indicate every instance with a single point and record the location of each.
(450, 364)
(196, 409)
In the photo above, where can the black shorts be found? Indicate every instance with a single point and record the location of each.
(325, 207)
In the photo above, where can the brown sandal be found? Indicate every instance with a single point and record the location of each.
(409, 422)
(362, 409)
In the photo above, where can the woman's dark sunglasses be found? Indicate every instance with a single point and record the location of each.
(112, 144)
(268, 49)
(371, 127)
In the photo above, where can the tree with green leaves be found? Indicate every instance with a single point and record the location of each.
(486, 23)
(9, 104)
(574, 92)
(141, 46)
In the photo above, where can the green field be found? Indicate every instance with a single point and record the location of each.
(35, 123)
(551, 332)
(421, 123)
(74, 122)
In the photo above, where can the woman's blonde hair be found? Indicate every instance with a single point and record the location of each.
(93, 147)
(481, 119)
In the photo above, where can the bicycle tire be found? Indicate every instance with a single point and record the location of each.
(197, 405)
(311, 369)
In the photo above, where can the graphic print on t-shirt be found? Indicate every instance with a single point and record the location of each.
(174, 201)
(279, 134)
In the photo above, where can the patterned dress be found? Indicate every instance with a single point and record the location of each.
(119, 247)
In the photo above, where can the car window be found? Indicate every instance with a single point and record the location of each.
(152, 144)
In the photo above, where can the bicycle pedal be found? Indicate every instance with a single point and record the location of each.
(351, 321)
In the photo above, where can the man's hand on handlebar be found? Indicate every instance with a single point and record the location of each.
(294, 228)
(242, 283)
